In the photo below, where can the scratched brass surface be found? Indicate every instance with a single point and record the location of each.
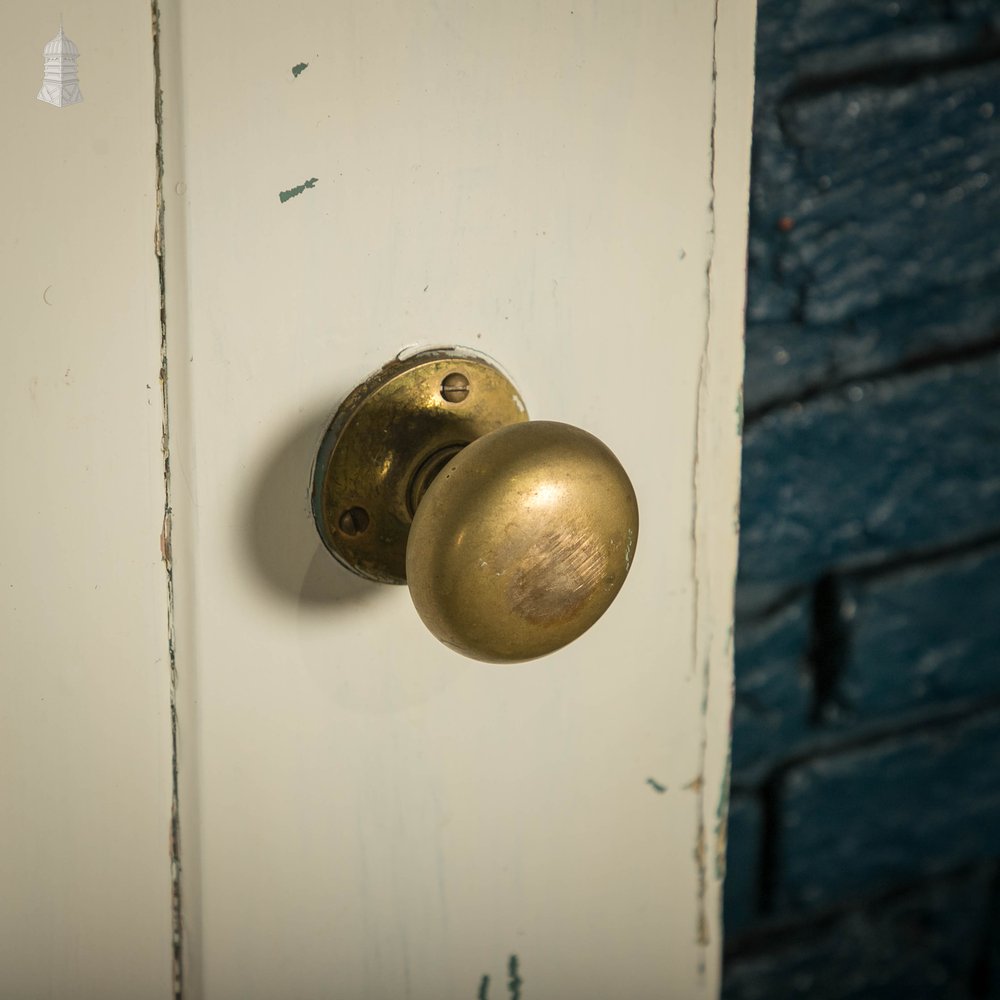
(386, 442)
(522, 541)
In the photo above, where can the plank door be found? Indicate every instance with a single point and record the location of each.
(561, 185)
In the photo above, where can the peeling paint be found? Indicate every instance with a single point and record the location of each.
(514, 980)
(298, 68)
(721, 818)
(294, 192)
(702, 625)
(701, 860)
(166, 548)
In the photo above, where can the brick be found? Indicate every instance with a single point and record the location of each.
(772, 689)
(816, 39)
(907, 50)
(819, 142)
(919, 945)
(897, 191)
(791, 26)
(743, 851)
(923, 636)
(855, 821)
(785, 360)
(900, 463)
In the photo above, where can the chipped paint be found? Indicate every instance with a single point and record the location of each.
(721, 818)
(702, 625)
(410, 350)
(294, 192)
(298, 68)
(514, 980)
(700, 857)
(166, 548)
(629, 540)
(166, 551)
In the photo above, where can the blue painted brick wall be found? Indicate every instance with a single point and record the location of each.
(864, 839)
(742, 884)
(862, 472)
(922, 637)
(901, 213)
(867, 127)
(914, 945)
(889, 812)
(787, 362)
(773, 689)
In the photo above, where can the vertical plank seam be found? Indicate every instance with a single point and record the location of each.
(165, 536)
(701, 649)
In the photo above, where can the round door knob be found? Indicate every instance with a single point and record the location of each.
(514, 536)
(522, 541)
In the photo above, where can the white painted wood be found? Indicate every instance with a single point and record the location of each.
(85, 757)
(563, 186)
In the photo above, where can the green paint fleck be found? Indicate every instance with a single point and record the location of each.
(721, 818)
(298, 68)
(484, 989)
(514, 981)
(656, 786)
(722, 808)
(297, 190)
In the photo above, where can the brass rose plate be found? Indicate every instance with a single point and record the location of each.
(386, 443)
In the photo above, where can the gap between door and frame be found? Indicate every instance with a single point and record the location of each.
(165, 536)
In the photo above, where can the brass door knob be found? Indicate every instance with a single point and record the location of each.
(514, 536)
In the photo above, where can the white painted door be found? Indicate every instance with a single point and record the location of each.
(363, 813)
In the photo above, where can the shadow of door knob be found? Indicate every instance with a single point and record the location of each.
(514, 536)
